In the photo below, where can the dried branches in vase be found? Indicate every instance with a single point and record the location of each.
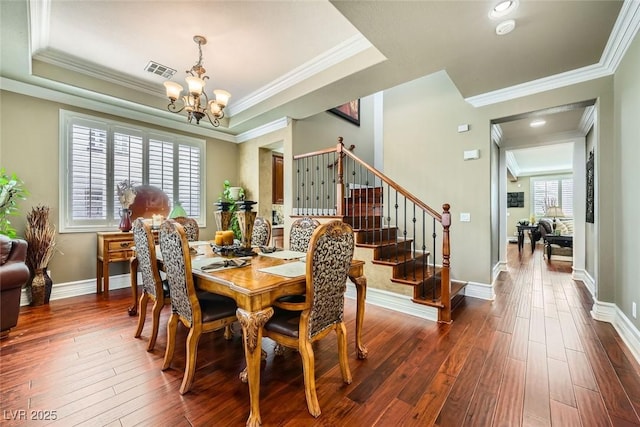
(126, 195)
(40, 235)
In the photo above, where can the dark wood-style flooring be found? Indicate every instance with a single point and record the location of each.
(532, 357)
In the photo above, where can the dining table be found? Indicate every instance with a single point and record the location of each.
(255, 287)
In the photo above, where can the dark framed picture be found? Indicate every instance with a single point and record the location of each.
(349, 111)
(590, 217)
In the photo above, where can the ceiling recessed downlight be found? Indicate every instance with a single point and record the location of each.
(505, 27)
(537, 123)
(503, 8)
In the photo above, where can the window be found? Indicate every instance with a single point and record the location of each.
(558, 190)
(97, 154)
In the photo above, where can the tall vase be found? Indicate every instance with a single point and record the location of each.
(125, 220)
(41, 287)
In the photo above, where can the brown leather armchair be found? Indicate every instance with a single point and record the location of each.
(14, 273)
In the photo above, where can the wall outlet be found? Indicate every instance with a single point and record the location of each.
(465, 217)
(633, 309)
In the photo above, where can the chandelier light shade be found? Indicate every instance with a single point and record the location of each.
(196, 103)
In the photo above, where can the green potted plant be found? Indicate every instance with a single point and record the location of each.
(227, 201)
(11, 192)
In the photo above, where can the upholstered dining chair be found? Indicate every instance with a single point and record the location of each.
(153, 288)
(191, 227)
(298, 325)
(201, 314)
(300, 233)
(261, 234)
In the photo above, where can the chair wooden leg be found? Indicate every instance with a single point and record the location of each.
(172, 327)
(341, 331)
(192, 352)
(155, 325)
(228, 332)
(142, 313)
(308, 365)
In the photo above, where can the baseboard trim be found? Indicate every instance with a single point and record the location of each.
(611, 313)
(586, 278)
(500, 266)
(480, 291)
(80, 287)
(395, 302)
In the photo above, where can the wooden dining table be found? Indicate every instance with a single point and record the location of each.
(255, 292)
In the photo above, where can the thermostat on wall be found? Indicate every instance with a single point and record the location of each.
(471, 154)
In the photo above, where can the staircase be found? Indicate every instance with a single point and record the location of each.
(403, 235)
(389, 248)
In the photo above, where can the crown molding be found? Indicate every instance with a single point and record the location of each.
(587, 119)
(72, 63)
(622, 34)
(263, 130)
(496, 133)
(512, 164)
(82, 98)
(334, 56)
(39, 19)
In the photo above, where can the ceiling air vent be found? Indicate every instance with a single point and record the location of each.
(159, 69)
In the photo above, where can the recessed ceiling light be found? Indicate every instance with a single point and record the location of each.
(503, 8)
(537, 123)
(505, 27)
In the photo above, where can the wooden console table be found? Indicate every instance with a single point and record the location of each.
(562, 241)
(521, 230)
(113, 246)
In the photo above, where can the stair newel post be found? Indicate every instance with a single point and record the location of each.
(445, 281)
(340, 184)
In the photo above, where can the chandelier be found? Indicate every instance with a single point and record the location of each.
(197, 103)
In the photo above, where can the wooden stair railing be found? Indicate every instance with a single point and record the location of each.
(402, 231)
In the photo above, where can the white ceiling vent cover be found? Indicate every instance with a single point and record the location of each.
(159, 69)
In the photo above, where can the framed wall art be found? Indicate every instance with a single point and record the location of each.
(590, 217)
(349, 111)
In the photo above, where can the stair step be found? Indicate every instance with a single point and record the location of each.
(428, 298)
(392, 250)
(376, 235)
(363, 210)
(365, 194)
(409, 279)
(363, 222)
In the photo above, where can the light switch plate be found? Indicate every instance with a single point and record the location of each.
(465, 217)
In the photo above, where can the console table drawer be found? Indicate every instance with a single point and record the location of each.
(119, 246)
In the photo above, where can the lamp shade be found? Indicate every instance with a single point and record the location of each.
(554, 211)
(222, 97)
(173, 90)
(177, 211)
(195, 85)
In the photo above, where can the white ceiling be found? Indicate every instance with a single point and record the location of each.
(298, 58)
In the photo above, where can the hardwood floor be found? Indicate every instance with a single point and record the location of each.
(532, 357)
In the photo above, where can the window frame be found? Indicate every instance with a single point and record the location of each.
(559, 178)
(70, 118)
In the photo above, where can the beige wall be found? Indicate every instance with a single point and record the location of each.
(523, 184)
(29, 146)
(423, 152)
(626, 203)
(255, 172)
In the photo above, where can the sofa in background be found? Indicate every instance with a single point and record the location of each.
(14, 273)
(565, 228)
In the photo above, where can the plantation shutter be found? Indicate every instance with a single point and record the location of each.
(189, 178)
(88, 172)
(98, 154)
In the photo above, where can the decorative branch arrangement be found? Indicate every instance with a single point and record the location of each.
(40, 234)
(126, 193)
